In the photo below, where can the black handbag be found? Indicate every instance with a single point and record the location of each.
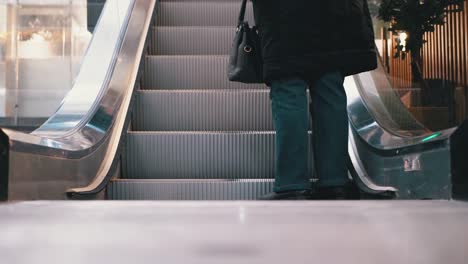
(245, 58)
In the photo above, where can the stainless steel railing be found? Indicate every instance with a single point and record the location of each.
(78, 144)
(389, 149)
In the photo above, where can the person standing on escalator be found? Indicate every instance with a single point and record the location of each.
(312, 45)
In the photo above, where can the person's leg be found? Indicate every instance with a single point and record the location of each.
(290, 115)
(330, 129)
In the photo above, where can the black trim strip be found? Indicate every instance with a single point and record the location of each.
(4, 165)
(459, 154)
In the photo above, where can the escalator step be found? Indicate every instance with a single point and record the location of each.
(190, 72)
(189, 189)
(186, 90)
(203, 110)
(201, 13)
(191, 40)
(200, 155)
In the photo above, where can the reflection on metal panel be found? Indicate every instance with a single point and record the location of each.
(95, 71)
(79, 143)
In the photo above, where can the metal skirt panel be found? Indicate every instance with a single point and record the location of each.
(190, 72)
(201, 155)
(191, 40)
(189, 189)
(202, 13)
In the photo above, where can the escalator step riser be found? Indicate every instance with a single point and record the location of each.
(222, 110)
(202, 110)
(200, 155)
(190, 72)
(201, 13)
(214, 190)
(191, 40)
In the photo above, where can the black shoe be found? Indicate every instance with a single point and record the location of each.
(290, 195)
(348, 191)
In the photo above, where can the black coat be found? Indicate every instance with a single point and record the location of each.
(303, 38)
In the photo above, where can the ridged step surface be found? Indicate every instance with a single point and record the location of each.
(189, 189)
(185, 92)
(190, 72)
(200, 155)
(203, 110)
(201, 13)
(191, 40)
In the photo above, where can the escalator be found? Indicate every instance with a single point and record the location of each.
(170, 126)
(194, 134)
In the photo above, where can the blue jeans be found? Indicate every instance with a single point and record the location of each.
(330, 131)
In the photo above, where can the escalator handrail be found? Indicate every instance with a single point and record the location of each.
(379, 137)
(110, 163)
(374, 132)
(359, 173)
(97, 138)
(82, 102)
(74, 130)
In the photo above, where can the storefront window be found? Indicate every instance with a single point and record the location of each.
(41, 47)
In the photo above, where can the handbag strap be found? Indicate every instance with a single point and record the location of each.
(242, 12)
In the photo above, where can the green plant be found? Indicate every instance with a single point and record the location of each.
(416, 18)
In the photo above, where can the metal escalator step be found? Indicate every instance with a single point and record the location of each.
(191, 40)
(201, 13)
(203, 110)
(189, 189)
(200, 155)
(190, 72)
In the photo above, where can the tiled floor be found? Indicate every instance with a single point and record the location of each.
(362, 232)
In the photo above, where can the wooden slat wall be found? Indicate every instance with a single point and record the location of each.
(400, 69)
(445, 54)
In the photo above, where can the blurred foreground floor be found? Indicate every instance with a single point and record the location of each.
(374, 232)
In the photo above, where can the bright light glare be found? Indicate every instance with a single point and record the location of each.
(403, 36)
(431, 137)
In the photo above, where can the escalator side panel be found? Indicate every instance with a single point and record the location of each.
(417, 175)
(459, 154)
(41, 177)
(416, 165)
